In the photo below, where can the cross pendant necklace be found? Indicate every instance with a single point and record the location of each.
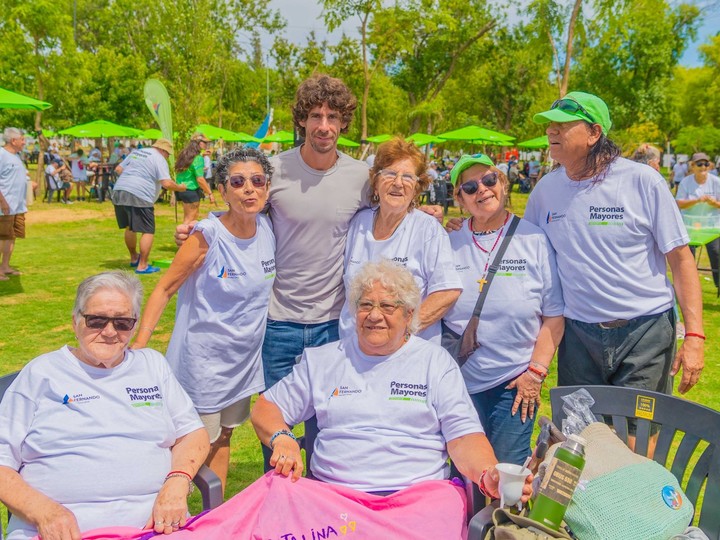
(482, 281)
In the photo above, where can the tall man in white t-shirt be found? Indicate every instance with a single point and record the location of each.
(614, 225)
(141, 177)
(13, 185)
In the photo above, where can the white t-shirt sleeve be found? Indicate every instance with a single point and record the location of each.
(184, 417)
(438, 263)
(293, 394)
(453, 405)
(16, 413)
(667, 224)
(552, 299)
(531, 209)
(161, 165)
(683, 191)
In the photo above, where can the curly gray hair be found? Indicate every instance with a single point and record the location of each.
(242, 155)
(396, 279)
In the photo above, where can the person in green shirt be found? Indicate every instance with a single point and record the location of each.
(189, 168)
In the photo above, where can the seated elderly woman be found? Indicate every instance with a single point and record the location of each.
(390, 406)
(96, 434)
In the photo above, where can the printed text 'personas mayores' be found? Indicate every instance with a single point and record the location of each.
(144, 394)
(408, 389)
(607, 213)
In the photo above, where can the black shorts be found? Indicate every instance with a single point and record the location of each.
(190, 196)
(137, 219)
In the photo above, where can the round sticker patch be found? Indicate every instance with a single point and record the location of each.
(672, 497)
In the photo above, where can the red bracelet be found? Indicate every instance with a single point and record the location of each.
(693, 334)
(481, 484)
(537, 372)
(175, 473)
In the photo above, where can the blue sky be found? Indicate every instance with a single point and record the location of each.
(303, 16)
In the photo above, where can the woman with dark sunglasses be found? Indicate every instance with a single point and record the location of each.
(521, 321)
(395, 229)
(224, 272)
(698, 197)
(97, 435)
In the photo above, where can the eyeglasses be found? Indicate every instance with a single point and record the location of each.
(257, 180)
(388, 175)
(702, 164)
(99, 322)
(570, 106)
(471, 186)
(385, 306)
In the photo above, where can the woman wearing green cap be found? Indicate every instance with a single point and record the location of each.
(614, 224)
(520, 323)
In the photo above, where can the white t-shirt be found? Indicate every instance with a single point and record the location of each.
(220, 317)
(79, 168)
(98, 441)
(419, 243)
(142, 172)
(311, 212)
(13, 181)
(207, 166)
(610, 238)
(384, 421)
(690, 189)
(679, 172)
(525, 288)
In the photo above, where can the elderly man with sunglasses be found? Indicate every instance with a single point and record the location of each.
(614, 226)
(698, 197)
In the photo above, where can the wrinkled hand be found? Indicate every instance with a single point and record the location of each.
(454, 224)
(286, 457)
(469, 339)
(182, 232)
(170, 510)
(691, 357)
(528, 395)
(433, 210)
(492, 482)
(58, 523)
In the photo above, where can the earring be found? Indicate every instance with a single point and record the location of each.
(407, 335)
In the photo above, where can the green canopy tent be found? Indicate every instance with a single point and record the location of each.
(214, 133)
(99, 129)
(477, 134)
(342, 141)
(151, 134)
(379, 138)
(537, 142)
(246, 138)
(13, 100)
(282, 137)
(421, 139)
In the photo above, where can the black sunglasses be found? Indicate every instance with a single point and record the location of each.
(99, 322)
(572, 107)
(702, 163)
(471, 186)
(238, 180)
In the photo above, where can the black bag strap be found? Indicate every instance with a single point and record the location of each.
(495, 265)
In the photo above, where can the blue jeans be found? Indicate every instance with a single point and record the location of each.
(509, 437)
(284, 343)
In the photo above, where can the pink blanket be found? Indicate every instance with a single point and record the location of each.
(273, 508)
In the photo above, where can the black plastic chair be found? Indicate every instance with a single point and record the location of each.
(207, 482)
(675, 418)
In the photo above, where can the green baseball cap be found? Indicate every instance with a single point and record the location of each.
(577, 106)
(467, 161)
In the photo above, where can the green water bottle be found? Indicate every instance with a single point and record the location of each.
(559, 483)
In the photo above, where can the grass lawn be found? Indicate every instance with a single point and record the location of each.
(68, 243)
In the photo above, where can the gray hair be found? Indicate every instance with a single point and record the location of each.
(11, 133)
(396, 279)
(646, 153)
(117, 280)
(243, 154)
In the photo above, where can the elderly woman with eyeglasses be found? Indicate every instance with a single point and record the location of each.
(97, 435)
(390, 406)
(698, 197)
(520, 324)
(224, 272)
(394, 229)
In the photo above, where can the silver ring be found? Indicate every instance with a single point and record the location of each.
(175, 524)
(159, 522)
(282, 457)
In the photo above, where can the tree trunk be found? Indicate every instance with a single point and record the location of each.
(569, 49)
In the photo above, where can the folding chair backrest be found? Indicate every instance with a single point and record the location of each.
(688, 440)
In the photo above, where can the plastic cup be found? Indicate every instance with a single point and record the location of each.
(512, 480)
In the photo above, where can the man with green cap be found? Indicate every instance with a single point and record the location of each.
(614, 225)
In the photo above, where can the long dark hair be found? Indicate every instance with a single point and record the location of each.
(187, 155)
(601, 155)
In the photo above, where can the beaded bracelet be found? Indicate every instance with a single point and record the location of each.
(281, 432)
